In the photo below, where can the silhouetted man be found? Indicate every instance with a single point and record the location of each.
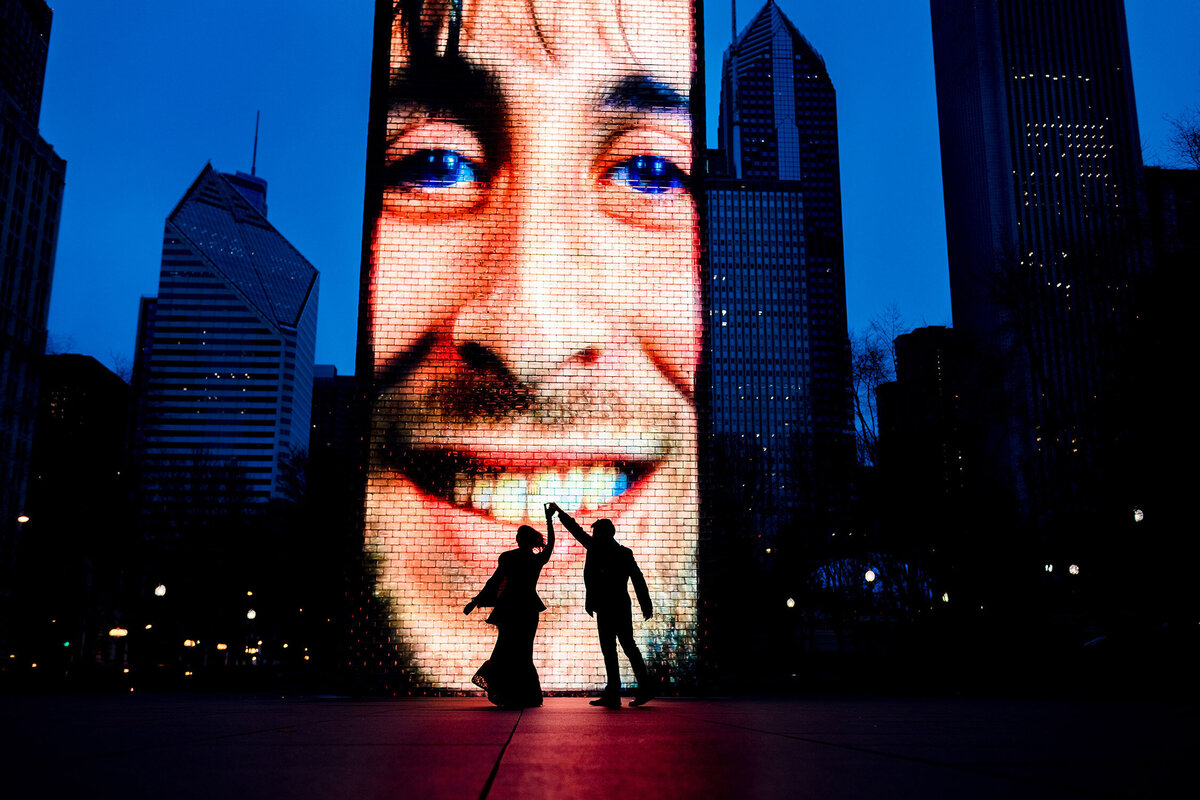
(606, 575)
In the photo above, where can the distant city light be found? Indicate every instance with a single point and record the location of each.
(249, 594)
(23, 519)
(148, 626)
(222, 646)
(251, 614)
(160, 590)
(117, 633)
(870, 576)
(1073, 569)
(1138, 514)
(945, 597)
(189, 642)
(1049, 568)
(791, 602)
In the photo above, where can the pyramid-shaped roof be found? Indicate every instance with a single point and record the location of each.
(258, 261)
(769, 18)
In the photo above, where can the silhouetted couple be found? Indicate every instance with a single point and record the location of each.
(509, 676)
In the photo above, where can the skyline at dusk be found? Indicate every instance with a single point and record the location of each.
(138, 99)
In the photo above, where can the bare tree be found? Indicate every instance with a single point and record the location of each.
(873, 363)
(1185, 141)
(122, 365)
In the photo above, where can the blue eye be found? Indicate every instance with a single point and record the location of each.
(649, 174)
(435, 169)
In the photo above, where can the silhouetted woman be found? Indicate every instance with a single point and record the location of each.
(509, 677)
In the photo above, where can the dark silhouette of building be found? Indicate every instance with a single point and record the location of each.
(1154, 452)
(31, 187)
(783, 444)
(1042, 172)
(223, 369)
(82, 544)
(922, 474)
(920, 436)
(334, 443)
(1173, 204)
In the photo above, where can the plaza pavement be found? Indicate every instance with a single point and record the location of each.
(223, 746)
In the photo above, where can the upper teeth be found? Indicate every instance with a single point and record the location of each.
(517, 496)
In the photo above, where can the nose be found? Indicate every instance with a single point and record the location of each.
(536, 308)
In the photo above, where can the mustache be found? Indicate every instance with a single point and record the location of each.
(480, 388)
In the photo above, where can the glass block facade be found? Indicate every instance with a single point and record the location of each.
(532, 324)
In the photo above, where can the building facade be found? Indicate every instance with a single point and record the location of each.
(75, 564)
(1042, 172)
(31, 189)
(780, 351)
(224, 365)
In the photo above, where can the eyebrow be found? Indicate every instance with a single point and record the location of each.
(643, 93)
(450, 86)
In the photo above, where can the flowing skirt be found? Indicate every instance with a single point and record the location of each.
(509, 677)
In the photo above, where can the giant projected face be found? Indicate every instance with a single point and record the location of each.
(534, 319)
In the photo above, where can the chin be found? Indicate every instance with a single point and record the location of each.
(431, 557)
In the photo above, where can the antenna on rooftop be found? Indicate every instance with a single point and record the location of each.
(733, 20)
(254, 158)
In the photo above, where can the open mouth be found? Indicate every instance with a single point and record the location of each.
(517, 494)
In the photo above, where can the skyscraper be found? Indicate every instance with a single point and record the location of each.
(780, 353)
(224, 364)
(1041, 165)
(31, 187)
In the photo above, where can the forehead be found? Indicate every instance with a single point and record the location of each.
(652, 37)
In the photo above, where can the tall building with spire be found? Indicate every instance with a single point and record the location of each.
(31, 190)
(780, 350)
(224, 365)
(1042, 172)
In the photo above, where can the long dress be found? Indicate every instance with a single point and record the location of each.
(509, 677)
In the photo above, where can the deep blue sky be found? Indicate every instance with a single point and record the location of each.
(140, 94)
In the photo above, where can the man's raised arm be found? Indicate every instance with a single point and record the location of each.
(570, 524)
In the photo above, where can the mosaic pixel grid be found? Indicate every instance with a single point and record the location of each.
(533, 320)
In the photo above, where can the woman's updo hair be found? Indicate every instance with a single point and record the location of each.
(529, 537)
